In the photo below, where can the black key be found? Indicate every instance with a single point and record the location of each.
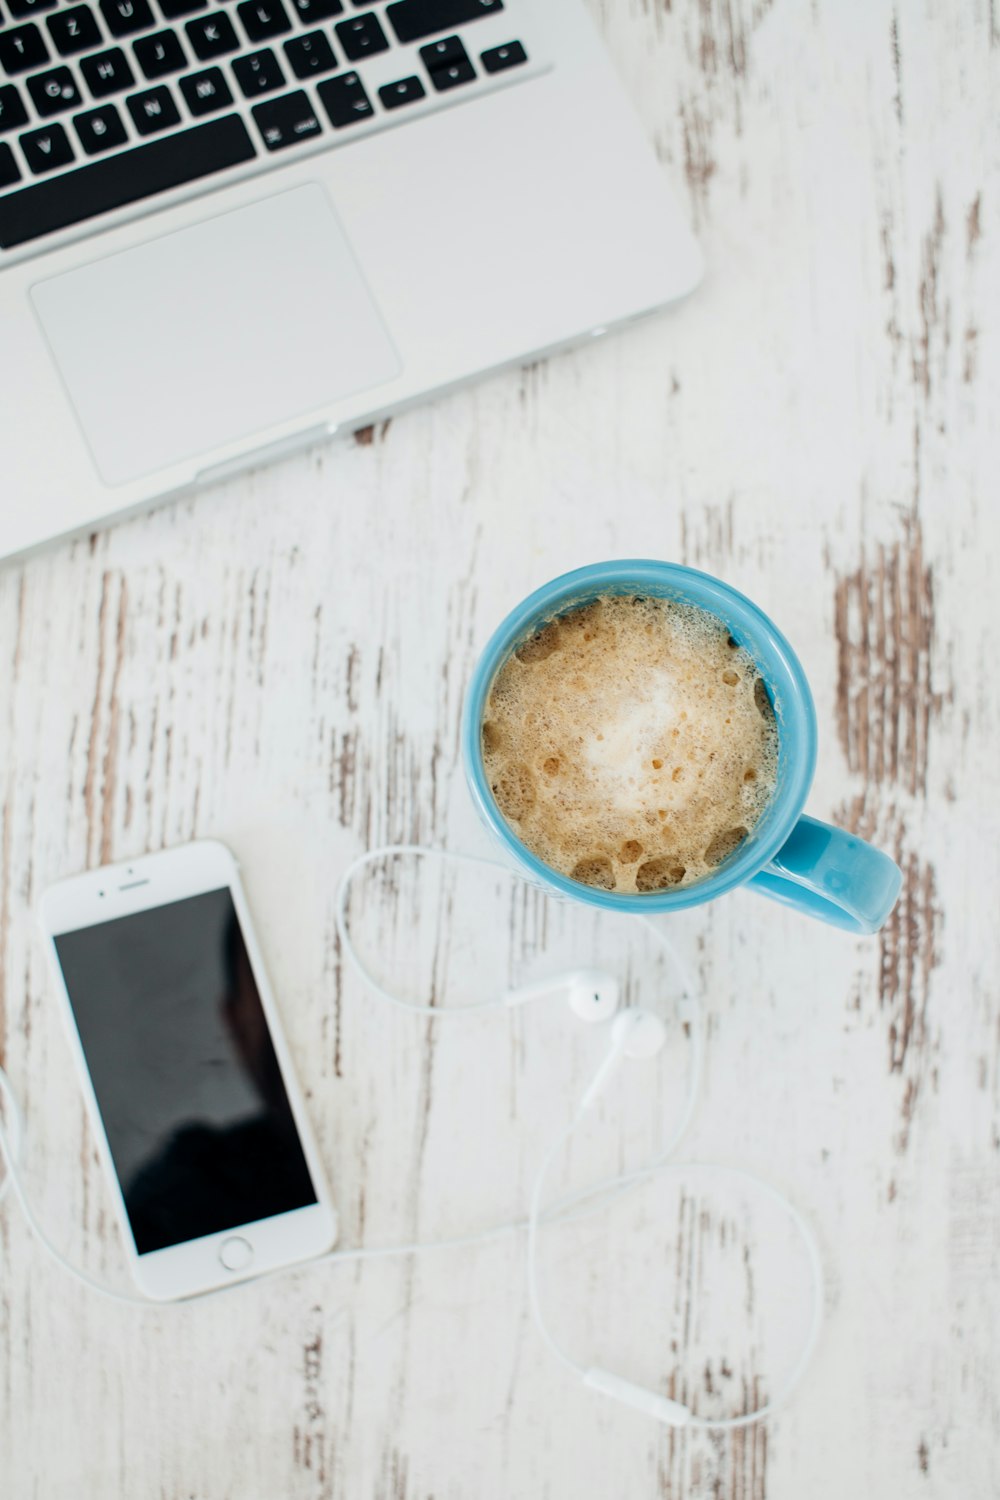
(413, 19)
(442, 53)
(361, 37)
(12, 110)
(127, 177)
(171, 9)
(206, 91)
(263, 18)
(405, 91)
(9, 170)
(153, 110)
(122, 17)
(499, 58)
(284, 121)
(310, 54)
(212, 35)
(258, 73)
(345, 100)
(100, 129)
(74, 30)
(22, 47)
(310, 11)
(159, 54)
(19, 8)
(54, 91)
(107, 72)
(47, 149)
(451, 76)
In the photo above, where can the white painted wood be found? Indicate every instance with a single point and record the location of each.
(280, 664)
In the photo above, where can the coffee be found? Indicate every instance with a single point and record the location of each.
(630, 743)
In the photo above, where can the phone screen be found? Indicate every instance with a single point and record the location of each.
(187, 1082)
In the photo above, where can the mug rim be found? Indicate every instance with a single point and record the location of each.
(782, 671)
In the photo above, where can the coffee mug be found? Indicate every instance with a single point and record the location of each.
(815, 868)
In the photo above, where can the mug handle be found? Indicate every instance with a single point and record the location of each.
(827, 873)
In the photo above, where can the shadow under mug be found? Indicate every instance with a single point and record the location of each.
(811, 866)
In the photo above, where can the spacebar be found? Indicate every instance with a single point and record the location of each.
(117, 180)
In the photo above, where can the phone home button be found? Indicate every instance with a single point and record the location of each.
(236, 1253)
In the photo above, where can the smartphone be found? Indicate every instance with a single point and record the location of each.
(187, 1077)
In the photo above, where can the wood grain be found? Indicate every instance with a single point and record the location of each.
(280, 663)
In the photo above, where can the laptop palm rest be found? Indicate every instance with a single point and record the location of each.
(214, 333)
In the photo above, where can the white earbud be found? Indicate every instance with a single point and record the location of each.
(591, 994)
(641, 1033)
(635, 1033)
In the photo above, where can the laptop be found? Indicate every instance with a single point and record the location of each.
(233, 228)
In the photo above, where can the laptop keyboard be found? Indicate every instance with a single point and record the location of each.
(110, 104)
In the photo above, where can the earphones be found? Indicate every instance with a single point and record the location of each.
(593, 996)
(633, 1035)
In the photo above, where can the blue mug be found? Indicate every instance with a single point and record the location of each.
(811, 866)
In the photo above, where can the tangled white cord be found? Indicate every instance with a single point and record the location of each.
(571, 1207)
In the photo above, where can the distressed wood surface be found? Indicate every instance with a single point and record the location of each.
(280, 663)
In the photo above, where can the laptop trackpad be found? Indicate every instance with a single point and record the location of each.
(214, 333)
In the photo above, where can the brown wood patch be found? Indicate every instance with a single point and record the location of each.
(887, 697)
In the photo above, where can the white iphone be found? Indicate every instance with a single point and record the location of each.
(187, 1076)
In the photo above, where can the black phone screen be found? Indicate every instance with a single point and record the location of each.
(187, 1082)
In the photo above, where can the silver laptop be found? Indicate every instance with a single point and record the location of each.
(231, 228)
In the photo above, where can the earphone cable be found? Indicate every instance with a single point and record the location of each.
(392, 851)
(593, 1199)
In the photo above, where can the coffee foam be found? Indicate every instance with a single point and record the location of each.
(630, 743)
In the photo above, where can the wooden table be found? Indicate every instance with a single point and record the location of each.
(281, 663)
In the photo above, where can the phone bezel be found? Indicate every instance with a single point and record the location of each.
(141, 884)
